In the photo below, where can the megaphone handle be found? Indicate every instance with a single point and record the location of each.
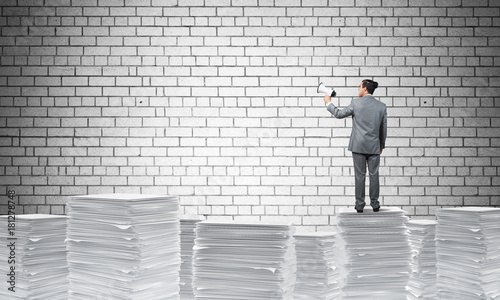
(333, 94)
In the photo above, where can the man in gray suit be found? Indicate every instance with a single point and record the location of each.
(369, 131)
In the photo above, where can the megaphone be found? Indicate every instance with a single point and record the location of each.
(326, 90)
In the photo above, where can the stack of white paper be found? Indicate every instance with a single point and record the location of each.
(422, 284)
(373, 254)
(123, 247)
(468, 253)
(244, 261)
(188, 225)
(317, 275)
(35, 259)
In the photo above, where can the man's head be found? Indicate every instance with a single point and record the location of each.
(367, 86)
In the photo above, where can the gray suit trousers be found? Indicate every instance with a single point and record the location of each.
(360, 162)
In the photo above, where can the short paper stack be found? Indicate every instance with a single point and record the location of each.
(373, 254)
(316, 272)
(422, 283)
(123, 247)
(244, 261)
(468, 253)
(38, 255)
(188, 225)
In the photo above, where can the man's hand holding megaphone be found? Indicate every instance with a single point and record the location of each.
(329, 92)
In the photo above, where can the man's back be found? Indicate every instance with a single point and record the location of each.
(369, 125)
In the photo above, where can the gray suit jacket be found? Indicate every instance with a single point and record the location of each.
(369, 124)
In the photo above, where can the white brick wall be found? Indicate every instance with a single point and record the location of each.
(216, 101)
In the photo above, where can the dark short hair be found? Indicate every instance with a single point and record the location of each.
(370, 85)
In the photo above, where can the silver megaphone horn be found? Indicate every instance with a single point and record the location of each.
(326, 90)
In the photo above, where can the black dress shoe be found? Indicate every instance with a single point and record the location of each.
(358, 210)
(376, 209)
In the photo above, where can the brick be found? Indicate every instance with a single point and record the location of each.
(477, 201)
(122, 12)
(380, 31)
(353, 31)
(400, 92)
(433, 31)
(366, 41)
(229, 11)
(69, 11)
(141, 2)
(393, 41)
(486, 12)
(407, 31)
(69, 31)
(264, 11)
(489, 191)
(252, 31)
(300, 31)
(75, 81)
(380, 12)
(474, 3)
(372, 71)
(434, 71)
(485, 31)
(481, 51)
(354, 11)
(399, 200)
(96, 11)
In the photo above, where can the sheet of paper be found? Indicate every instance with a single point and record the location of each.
(123, 246)
(372, 252)
(38, 256)
(468, 252)
(244, 261)
(317, 276)
(422, 284)
(188, 225)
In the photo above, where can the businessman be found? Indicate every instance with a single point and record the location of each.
(369, 131)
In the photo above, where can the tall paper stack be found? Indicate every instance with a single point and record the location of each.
(316, 272)
(188, 225)
(468, 253)
(373, 254)
(123, 246)
(422, 283)
(244, 261)
(38, 256)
